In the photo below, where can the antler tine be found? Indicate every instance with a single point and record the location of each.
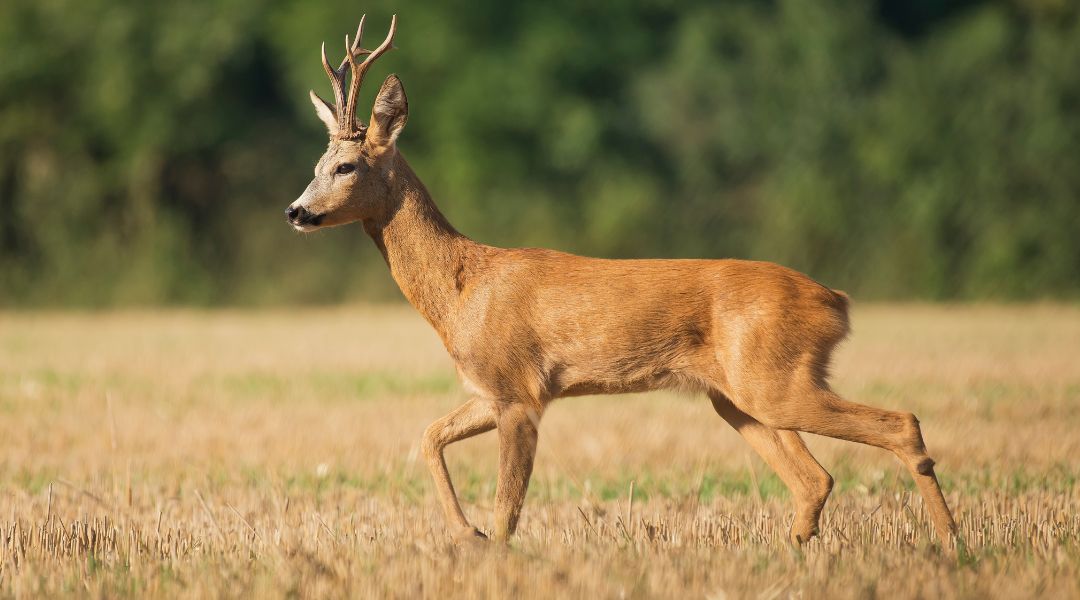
(359, 70)
(354, 49)
(336, 80)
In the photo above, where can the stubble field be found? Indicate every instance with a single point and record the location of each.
(276, 454)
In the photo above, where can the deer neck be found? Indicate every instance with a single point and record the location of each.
(426, 255)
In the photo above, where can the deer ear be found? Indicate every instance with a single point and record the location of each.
(325, 110)
(389, 114)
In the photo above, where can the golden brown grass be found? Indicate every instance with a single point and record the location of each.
(162, 454)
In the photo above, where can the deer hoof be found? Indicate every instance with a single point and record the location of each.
(800, 536)
(469, 536)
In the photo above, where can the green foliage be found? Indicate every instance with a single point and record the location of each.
(896, 150)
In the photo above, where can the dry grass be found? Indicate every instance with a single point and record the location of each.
(275, 453)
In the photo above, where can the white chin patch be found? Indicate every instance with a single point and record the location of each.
(305, 228)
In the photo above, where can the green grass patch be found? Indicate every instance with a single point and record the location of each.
(373, 384)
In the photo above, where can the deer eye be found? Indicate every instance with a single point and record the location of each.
(345, 168)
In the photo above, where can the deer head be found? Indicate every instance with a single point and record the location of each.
(352, 178)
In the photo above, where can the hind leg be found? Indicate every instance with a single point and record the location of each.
(823, 412)
(788, 455)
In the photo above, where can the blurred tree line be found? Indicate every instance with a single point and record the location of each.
(896, 149)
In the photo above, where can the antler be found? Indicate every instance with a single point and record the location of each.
(345, 107)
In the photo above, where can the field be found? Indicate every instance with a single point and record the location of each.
(275, 454)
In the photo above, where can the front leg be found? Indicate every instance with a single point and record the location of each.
(472, 418)
(517, 426)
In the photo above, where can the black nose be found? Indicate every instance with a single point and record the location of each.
(295, 214)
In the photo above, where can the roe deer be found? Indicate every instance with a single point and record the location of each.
(525, 326)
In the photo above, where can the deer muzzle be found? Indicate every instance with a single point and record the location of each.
(300, 218)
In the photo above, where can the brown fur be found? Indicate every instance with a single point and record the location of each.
(526, 326)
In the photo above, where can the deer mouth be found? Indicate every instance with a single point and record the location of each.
(309, 223)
